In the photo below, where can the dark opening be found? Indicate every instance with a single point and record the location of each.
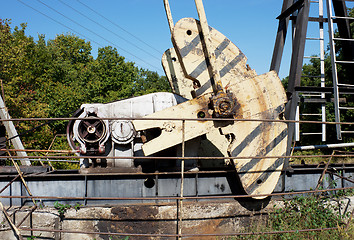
(201, 114)
(149, 182)
(189, 32)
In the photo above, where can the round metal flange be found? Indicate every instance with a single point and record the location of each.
(123, 132)
(91, 130)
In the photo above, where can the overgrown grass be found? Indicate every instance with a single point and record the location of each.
(303, 212)
(314, 157)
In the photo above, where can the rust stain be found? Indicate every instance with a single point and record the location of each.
(238, 109)
(134, 212)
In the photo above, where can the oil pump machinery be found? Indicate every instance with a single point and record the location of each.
(230, 113)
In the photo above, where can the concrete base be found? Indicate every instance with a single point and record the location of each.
(198, 218)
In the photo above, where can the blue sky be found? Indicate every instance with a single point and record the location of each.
(251, 25)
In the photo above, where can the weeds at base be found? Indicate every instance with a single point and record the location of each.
(303, 212)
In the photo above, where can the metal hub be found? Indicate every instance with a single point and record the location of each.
(223, 104)
(91, 130)
(123, 132)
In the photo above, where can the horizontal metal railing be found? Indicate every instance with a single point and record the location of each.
(62, 156)
(183, 235)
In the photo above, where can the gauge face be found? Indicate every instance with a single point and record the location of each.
(91, 130)
(123, 132)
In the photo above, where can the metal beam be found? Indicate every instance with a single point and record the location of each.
(12, 133)
(337, 145)
(297, 5)
(169, 15)
(280, 39)
(296, 67)
(207, 48)
(298, 47)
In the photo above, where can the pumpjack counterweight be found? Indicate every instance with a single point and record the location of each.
(210, 79)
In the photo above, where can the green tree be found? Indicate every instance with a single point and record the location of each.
(17, 72)
(53, 78)
(113, 77)
(149, 82)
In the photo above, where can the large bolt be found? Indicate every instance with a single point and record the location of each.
(91, 129)
(224, 106)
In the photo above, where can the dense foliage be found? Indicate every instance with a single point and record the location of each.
(53, 78)
(299, 215)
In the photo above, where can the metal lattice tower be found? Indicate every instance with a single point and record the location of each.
(307, 96)
(340, 87)
(298, 12)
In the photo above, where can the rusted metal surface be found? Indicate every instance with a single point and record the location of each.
(232, 90)
(180, 214)
(16, 232)
(203, 183)
(155, 220)
(260, 196)
(178, 118)
(27, 215)
(345, 178)
(305, 168)
(72, 152)
(324, 171)
(60, 158)
(22, 178)
(177, 235)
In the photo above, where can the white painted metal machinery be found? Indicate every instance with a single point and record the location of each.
(210, 78)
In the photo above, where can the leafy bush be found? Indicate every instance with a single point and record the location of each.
(301, 213)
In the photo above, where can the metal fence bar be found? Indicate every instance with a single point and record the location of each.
(180, 208)
(178, 235)
(7, 185)
(345, 178)
(179, 119)
(21, 176)
(27, 215)
(178, 158)
(40, 151)
(183, 198)
(190, 173)
(320, 180)
(15, 230)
